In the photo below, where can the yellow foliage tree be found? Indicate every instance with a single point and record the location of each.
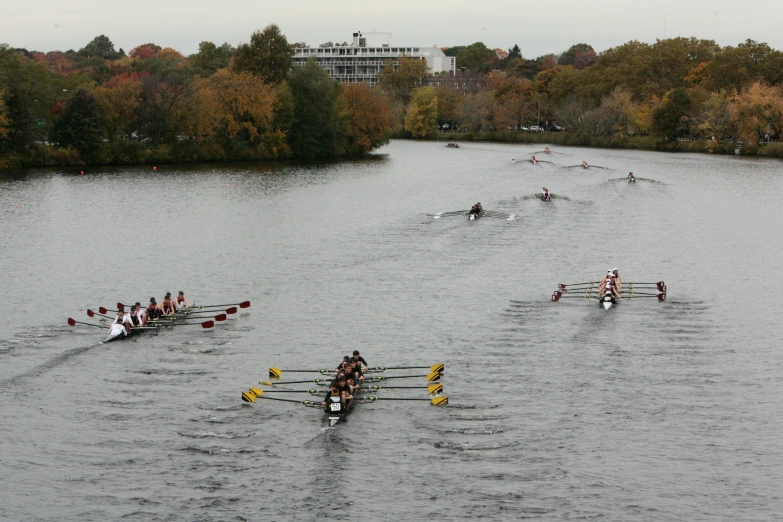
(421, 119)
(245, 102)
(756, 112)
(118, 104)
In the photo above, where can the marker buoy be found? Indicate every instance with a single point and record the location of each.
(81, 173)
(154, 168)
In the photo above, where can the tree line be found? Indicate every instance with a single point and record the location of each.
(674, 89)
(101, 106)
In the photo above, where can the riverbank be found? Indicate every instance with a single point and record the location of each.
(772, 150)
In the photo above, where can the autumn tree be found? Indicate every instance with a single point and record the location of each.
(449, 100)
(570, 112)
(245, 104)
(714, 116)
(370, 118)
(577, 52)
(672, 119)
(513, 102)
(321, 121)
(617, 114)
(421, 118)
(268, 55)
(118, 104)
(79, 126)
(144, 52)
(522, 68)
(400, 79)
(3, 117)
(757, 111)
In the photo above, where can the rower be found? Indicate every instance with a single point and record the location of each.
(152, 312)
(610, 285)
(123, 319)
(585, 165)
(545, 195)
(167, 306)
(631, 177)
(136, 316)
(618, 279)
(547, 151)
(359, 359)
(533, 160)
(345, 389)
(477, 209)
(351, 377)
(341, 366)
(182, 301)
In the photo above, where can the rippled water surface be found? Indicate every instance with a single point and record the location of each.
(558, 411)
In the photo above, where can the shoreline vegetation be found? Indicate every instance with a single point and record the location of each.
(153, 105)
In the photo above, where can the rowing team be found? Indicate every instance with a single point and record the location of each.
(136, 317)
(610, 283)
(476, 209)
(346, 382)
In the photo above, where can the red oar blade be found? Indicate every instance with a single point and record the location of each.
(661, 286)
(208, 324)
(120, 305)
(232, 310)
(245, 304)
(103, 310)
(556, 296)
(71, 322)
(91, 313)
(662, 297)
(221, 317)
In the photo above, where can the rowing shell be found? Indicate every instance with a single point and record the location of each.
(117, 331)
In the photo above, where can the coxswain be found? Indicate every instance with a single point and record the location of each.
(533, 160)
(152, 312)
(477, 209)
(332, 399)
(547, 151)
(585, 165)
(631, 177)
(545, 195)
(167, 307)
(123, 319)
(182, 301)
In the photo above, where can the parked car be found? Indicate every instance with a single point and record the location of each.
(536, 128)
(555, 128)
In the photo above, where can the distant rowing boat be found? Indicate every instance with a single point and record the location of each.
(118, 332)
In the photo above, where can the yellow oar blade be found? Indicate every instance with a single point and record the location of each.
(438, 368)
(440, 401)
(266, 383)
(275, 373)
(433, 377)
(258, 391)
(433, 388)
(248, 396)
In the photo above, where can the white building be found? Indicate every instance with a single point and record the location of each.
(364, 59)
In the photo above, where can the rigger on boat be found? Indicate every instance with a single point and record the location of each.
(347, 385)
(610, 290)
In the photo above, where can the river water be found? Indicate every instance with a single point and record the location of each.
(558, 411)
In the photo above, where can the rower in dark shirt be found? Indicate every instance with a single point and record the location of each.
(351, 377)
(359, 358)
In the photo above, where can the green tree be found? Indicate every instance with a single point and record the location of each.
(402, 79)
(267, 55)
(421, 118)
(100, 47)
(569, 57)
(672, 119)
(79, 126)
(321, 126)
(514, 52)
(453, 51)
(210, 58)
(475, 57)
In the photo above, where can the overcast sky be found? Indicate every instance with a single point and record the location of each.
(537, 27)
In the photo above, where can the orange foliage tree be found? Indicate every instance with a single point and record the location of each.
(118, 103)
(756, 112)
(370, 116)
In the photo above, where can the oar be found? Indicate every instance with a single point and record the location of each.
(93, 314)
(314, 381)
(563, 285)
(556, 296)
(276, 372)
(72, 322)
(432, 389)
(431, 377)
(243, 304)
(229, 311)
(433, 368)
(253, 393)
(205, 324)
(437, 401)
(661, 296)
